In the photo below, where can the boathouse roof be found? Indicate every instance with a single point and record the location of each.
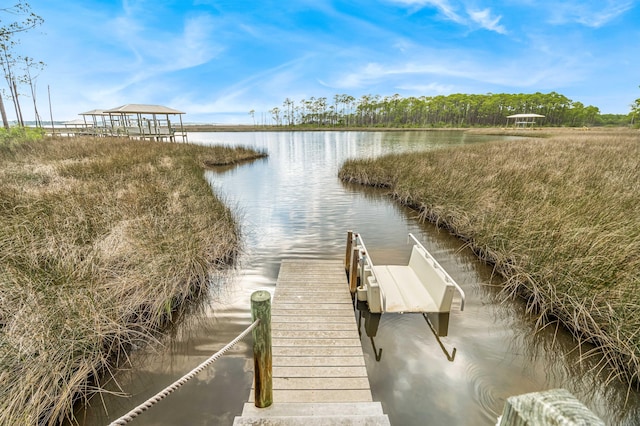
(142, 109)
(94, 112)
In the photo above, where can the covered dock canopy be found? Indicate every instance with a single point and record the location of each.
(146, 121)
(523, 120)
(98, 122)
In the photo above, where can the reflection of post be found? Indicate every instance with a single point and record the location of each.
(440, 322)
(371, 324)
(262, 362)
(451, 356)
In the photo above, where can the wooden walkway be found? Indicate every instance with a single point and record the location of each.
(319, 374)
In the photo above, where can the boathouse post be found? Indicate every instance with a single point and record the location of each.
(262, 361)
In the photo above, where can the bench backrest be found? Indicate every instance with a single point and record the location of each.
(433, 279)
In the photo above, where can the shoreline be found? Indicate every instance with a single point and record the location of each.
(121, 237)
(549, 224)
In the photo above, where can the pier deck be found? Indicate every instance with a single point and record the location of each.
(319, 374)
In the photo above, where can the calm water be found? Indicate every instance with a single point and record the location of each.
(292, 205)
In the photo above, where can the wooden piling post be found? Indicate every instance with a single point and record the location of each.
(262, 363)
(347, 256)
(353, 274)
(551, 407)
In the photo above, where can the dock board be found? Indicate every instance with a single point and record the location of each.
(319, 374)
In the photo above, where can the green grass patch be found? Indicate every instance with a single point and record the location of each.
(559, 217)
(101, 242)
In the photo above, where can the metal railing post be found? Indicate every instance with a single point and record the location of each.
(262, 361)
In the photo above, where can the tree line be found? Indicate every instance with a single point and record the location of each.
(19, 71)
(456, 110)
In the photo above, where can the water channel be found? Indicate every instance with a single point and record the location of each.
(292, 205)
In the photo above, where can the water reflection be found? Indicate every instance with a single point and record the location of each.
(291, 205)
(371, 322)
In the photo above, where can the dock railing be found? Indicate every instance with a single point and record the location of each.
(262, 360)
(359, 265)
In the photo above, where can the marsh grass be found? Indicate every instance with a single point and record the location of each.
(101, 242)
(559, 217)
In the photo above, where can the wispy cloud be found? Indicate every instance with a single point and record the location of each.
(459, 13)
(486, 21)
(591, 13)
(443, 6)
(215, 56)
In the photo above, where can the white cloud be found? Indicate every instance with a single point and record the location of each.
(443, 6)
(486, 21)
(461, 68)
(592, 13)
(482, 17)
(427, 89)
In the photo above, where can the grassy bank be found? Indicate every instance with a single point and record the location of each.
(559, 217)
(101, 242)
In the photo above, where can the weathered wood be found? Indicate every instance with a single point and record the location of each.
(321, 371)
(312, 326)
(317, 353)
(262, 355)
(347, 257)
(353, 274)
(551, 407)
(331, 395)
(318, 361)
(312, 334)
(320, 383)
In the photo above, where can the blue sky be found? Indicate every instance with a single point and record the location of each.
(218, 59)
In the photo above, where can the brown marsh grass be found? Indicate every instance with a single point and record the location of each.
(559, 217)
(101, 242)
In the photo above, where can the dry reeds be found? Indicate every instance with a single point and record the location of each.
(101, 241)
(558, 217)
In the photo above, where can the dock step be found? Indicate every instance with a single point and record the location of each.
(314, 414)
(314, 409)
(381, 420)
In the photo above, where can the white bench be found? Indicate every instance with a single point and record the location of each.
(421, 286)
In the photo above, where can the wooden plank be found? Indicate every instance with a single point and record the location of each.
(317, 351)
(320, 371)
(311, 318)
(318, 361)
(304, 297)
(315, 342)
(310, 326)
(303, 312)
(298, 395)
(342, 307)
(319, 383)
(312, 334)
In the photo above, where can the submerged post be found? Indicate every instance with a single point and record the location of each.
(262, 363)
(347, 256)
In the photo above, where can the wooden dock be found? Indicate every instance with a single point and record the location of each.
(319, 374)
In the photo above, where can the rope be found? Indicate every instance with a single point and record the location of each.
(169, 389)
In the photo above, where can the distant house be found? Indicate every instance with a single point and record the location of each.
(523, 120)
